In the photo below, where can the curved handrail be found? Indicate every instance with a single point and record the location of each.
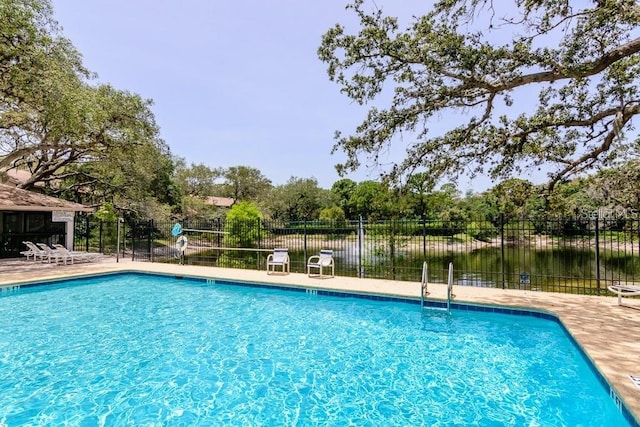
(423, 284)
(449, 286)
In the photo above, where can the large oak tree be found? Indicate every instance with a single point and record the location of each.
(84, 141)
(481, 86)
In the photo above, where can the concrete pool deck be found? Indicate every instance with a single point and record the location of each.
(610, 334)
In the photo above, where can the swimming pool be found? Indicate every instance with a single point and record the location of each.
(133, 349)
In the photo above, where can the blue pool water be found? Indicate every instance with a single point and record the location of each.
(146, 350)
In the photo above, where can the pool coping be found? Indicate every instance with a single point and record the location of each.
(607, 334)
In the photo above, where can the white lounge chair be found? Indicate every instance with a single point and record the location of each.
(321, 262)
(279, 258)
(75, 255)
(34, 251)
(52, 254)
(624, 291)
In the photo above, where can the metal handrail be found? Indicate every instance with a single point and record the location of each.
(423, 284)
(449, 287)
(425, 281)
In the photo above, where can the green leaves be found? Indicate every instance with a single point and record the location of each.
(242, 225)
(244, 183)
(86, 142)
(481, 70)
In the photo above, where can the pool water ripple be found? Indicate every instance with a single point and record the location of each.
(145, 350)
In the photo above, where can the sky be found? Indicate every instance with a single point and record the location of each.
(234, 83)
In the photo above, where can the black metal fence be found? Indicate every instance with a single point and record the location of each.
(572, 255)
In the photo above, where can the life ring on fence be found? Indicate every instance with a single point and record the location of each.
(182, 243)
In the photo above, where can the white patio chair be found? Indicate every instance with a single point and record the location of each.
(279, 258)
(52, 254)
(75, 255)
(33, 251)
(321, 262)
(624, 291)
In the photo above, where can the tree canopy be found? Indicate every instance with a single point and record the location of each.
(465, 77)
(459, 84)
(244, 183)
(297, 200)
(87, 142)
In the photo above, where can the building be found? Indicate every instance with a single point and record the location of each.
(219, 202)
(26, 215)
(16, 177)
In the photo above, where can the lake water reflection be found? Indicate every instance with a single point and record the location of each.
(519, 268)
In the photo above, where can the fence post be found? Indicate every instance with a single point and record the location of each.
(133, 240)
(304, 245)
(392, 248)
(424, 239)
(118, 240)
(101, 243)
(124, 239)
(87, 233)
(360, 235)
(149, 245)
(597, 226)
(502, 272)
(638, 225)
(258, 253)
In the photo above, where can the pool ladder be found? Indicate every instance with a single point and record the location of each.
(425, 282)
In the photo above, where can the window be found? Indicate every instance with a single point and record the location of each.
(35, 222)
(11, 223)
